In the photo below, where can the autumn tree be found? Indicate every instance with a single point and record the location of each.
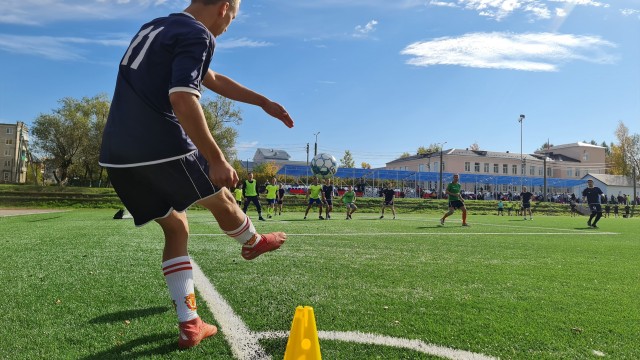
(365, 165)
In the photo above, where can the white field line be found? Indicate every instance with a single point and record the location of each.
(438, 234)
(374, 339)
(245, 343)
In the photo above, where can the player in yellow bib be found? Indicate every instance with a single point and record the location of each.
(272, 194)
(313, 196)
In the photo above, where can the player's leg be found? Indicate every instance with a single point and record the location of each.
(382, 211)
(464, 215)
(319, 209)
(238, 226)
(593, 214)
(178, 274)
(256, 202)
(306, 212)
(393, 210)
(447, 214)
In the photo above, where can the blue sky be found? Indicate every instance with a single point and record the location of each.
(376, 77)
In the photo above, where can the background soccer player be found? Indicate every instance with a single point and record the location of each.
(313, 196)
(455, 200)
(389, 194)
(159, 153)
(592, 194)
(328, 190)
(525, 197)
(272, 194)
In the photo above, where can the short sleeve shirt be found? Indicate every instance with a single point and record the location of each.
(169, 54)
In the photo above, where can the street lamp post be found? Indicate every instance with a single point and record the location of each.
(315, 149)
(441, 149)
(521, 120)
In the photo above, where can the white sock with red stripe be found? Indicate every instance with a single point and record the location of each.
(246, 234)
(179, 277)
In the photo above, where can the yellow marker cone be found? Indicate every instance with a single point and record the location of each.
(303, 341)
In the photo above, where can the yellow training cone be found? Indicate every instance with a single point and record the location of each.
(303, 339)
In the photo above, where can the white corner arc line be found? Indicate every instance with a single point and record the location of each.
(243, 342)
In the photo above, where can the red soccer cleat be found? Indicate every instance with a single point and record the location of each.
(269, 242)
(194, 331)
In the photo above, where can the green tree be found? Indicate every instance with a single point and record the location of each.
(405, 155)
(63, 135)
(365, 165)
(432, 148)
(221, 114)
(347, 160)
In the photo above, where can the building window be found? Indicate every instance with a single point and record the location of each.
(7, 152)
(9, 142)
(422, 166)
(577, 172)
(532, 170)
(585, 156)
(549, 172)
(6, 176)
(467, 166)
(476, 167)
(540, 170)
(569, 172)
(486, 167)
(514, 169)
(505, 168)
(443, 165)
(9, 130)
(496, 168)
(7, 163)
(435, 165)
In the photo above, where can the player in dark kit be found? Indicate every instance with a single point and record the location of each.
(593, 194)
(328, 190)
(160, 155)
(389, 194)
(526, 196)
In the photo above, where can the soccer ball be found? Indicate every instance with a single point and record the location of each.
(324, 165)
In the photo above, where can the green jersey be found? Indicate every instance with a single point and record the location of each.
(272, 191)
(238, 193)
(454, 189)
(314, 191)
(349, 197)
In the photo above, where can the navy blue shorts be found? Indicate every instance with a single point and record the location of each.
(595, 208)
(315, 201)
(526, 205)
(151, 192)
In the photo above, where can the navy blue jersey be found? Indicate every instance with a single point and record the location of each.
(328, 191)
(388, 194)
(169, 54)
(526, 196)
(592, 194)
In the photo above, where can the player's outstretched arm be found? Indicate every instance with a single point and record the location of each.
(191, 117)
(228, 88)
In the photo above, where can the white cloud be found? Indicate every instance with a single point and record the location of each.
(242, 42)
(561, 12)
(526, 52)
(629, 12)
(442, 3)
(38, 12)
(582, 2)
(54, 48)
(362, 31)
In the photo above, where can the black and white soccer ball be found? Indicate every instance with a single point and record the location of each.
(324, 165)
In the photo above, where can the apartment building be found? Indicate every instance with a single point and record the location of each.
(14, 139)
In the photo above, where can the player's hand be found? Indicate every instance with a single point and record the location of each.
(279, 112)
(222, 174)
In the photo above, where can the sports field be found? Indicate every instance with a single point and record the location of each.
(79, 285)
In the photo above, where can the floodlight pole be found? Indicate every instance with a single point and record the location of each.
(521, 120)
(315, 149)
(440, 190)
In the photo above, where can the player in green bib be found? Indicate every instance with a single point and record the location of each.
(455, 200)
(349, 201)
(272, 194)
(313, 196)
(250, 192)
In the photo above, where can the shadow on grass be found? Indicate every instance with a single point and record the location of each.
(45, 219)
(129, 314)
(146, 346)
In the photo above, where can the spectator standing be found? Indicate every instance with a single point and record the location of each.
(525, 197)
